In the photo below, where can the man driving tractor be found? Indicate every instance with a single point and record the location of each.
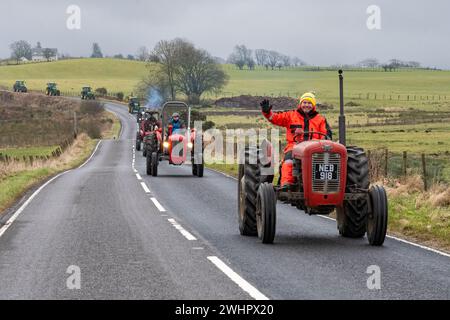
(176, 122)
(302, 124)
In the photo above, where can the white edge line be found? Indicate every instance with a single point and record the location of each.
(242, 283)
(222, 173)
(96, 147)
(158, 205)
(405, 241)
(183, 231)
(138, 176)
(27, 202)
(144, 186)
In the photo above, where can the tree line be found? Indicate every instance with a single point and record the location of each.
(243, 56)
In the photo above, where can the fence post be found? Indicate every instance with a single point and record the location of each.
(75, 129)
(405, 160)
(386, 159)
(424, 171)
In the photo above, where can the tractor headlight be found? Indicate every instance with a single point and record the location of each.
(190, 145)
(166, 144)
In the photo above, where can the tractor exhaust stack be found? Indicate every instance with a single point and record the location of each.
(342, 139)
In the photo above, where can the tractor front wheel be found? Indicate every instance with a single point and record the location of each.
(378, 217)
(266, 212)
(248, 183)
(352, 216)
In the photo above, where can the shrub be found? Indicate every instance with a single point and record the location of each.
(120, 96)
(101, 91)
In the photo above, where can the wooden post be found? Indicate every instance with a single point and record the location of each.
(386, 157)
(424, 170)
(405, 160)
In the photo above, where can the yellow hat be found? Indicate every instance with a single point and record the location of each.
(308, 96)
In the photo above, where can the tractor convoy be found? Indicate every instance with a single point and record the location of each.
(166, 135)
(329, 176)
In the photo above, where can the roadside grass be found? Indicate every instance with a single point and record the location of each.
(28, 151)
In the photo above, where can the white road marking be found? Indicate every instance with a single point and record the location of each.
(96, 147)
(138, 176)
(405, 241)
(27, 202)
(185, 233)
(158, 205)
(197, 248)
(243, 284)
(144, 186)
(134, 170)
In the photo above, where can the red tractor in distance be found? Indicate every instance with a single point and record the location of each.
(149, 122)
(330, 176)
(174, 144)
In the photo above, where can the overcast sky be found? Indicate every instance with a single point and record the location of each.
(321, 32)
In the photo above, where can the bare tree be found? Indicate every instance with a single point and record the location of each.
(285, 61)
(273, 58)
(369, 63)
(261, 56)
(296, 61)
(197, 72)
(165, 53)
(180, 67)
(142, 54)
(20, 49)
(241, 56)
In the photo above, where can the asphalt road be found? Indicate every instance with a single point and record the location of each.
(175, 236)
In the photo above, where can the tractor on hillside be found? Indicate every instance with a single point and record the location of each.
(19, 86)
(87, 93)
(329, 176)
(133, 105)
(52, 90)
(175, 141)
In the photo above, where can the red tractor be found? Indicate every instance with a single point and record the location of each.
(175, 141)
(329, 176)
(147, 123)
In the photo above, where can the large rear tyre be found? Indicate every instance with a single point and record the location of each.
(266, 212)
(148, 164)
(352, 216)
(154, 164)
(144, 151)
(248, 184)
(377, 219)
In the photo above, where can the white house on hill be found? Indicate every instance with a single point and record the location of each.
(44, 54)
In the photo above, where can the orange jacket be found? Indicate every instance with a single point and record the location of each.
(296, 119)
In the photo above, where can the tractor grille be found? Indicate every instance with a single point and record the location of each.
(176, 145)
(326, 185)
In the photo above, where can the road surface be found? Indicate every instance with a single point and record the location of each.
(109, 231)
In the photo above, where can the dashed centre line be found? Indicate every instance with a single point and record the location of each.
(184, 232)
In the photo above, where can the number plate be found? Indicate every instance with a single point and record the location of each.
(326, 172)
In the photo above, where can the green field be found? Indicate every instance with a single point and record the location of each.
(70, 75)
(123, 75)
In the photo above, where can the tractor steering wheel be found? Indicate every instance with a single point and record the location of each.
(310, 132)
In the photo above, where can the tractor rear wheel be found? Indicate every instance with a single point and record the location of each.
(352, 216)
(248, 183)
(154, 164)
(378, 217)
(266, 212)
